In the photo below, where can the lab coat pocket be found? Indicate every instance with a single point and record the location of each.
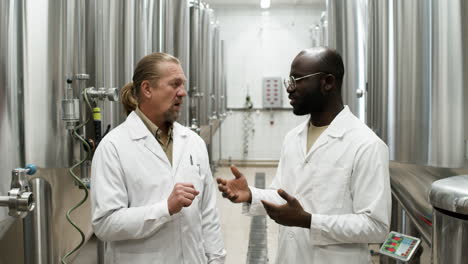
(192, 174)
(328, 188)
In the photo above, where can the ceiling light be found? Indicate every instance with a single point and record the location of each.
(265, 4)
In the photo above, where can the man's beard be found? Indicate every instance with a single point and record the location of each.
(171, 115)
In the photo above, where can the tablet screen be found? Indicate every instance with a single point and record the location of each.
(400, 246)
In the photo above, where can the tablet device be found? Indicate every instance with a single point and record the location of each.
(400, 246)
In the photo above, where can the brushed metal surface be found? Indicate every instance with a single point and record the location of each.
(412, 80)
(411, 185)
(447, 148)
(113, 51)
(378, 68)
(451, 194)
(37, 232)
(52, 40)
(179, 16)
(416, 80)
(347, 30)
(450, 239)
(103, 39)
(195, 55)
(206, 64)
(12, 15)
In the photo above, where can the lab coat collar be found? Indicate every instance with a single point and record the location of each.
(179, 130)
(138, 130)
(340, 124)
(336, 129)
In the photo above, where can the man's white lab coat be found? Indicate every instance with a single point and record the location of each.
(131, 181)
(343, 181)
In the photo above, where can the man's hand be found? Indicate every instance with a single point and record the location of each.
(181, 196)
(289, 214)
(237, 190)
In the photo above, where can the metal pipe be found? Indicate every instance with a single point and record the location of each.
(4, 201)
(101, 246)
(161, 24)
(194, 115)
(37, 229)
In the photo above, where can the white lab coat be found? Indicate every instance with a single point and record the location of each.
(131, 181)
(343, 181)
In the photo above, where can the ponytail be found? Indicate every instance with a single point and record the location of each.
(127, 97)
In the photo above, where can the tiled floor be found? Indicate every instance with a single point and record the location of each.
(235, 226)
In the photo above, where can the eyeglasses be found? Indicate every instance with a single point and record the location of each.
(291, 81)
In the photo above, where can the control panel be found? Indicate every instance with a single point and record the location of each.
(272, 92)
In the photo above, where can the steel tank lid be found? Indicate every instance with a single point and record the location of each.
(450, 194)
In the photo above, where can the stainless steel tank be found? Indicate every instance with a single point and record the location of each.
(111, 56)
(53, 44)
(148, 26)
(56, 51)
(179, 37)
(195, 54)
(223, 84)
(216, 77)
(12, 21)
(206, 64)
(449, 197)
(379, 68)
(323, 29)
(202, 69)
(411, 185)
(415, 100)
(411, 91)
(415, 93)
(446, 141)
(415, 83)
(49, 33)
(347, 29)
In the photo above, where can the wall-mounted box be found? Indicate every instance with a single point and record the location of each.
(272, 92)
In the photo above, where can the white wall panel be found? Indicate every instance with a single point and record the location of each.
(262, 43)
(259, 43)
(264, 142)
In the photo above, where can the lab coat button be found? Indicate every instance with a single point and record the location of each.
(291, 234)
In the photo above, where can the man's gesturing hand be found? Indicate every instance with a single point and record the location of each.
(181, 196)
(237, 190)
(288, 214)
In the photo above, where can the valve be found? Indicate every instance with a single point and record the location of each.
(70, 107)
(112, 94)
(214, 113)
(20, 199)
(194, 126)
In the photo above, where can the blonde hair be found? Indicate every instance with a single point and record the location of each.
(146, 69)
